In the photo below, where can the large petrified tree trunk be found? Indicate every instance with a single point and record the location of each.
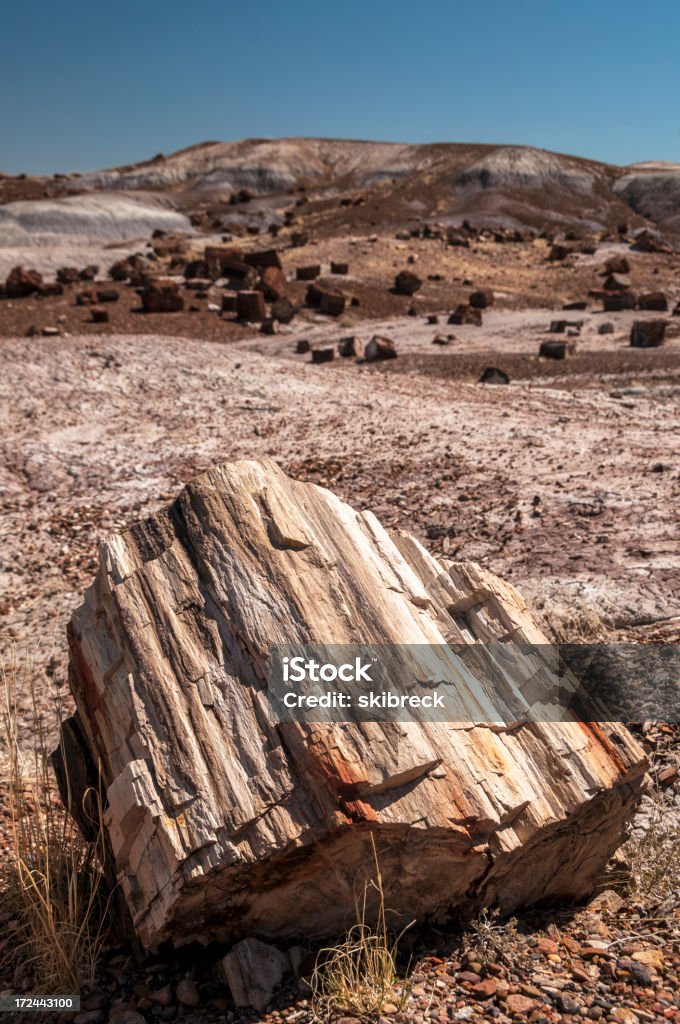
(222, 822)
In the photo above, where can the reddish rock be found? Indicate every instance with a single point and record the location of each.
(273, 283)
(520, 1004)
(264, 258)
(407, 283)
(270, 326)
(162, 296)
(339, 268)
(617, 301)
(68, 275)
(250, 306)
(99, 315)
(299, 239)
(656, 301)
(107, 295)
(332, 303)
(617, 265)
(309, 273)
(88, 297)
(466, 315)
(22, 282)
(485, 989)
(89, 272)
(228, 302)
(302, 346)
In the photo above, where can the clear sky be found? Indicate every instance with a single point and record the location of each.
(86, 85)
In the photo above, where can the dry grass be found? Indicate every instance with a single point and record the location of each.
(51, 882)
(653, 859)
(359, 976)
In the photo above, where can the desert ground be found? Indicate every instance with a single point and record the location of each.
(565, 480)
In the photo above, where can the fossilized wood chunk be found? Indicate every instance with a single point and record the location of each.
(224, 824)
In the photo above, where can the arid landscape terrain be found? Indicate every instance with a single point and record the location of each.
(522, 412)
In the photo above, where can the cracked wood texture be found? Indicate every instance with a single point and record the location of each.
(223, 823)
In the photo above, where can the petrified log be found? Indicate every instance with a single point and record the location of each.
(225, 824)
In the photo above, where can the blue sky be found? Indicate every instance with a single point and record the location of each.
(87, 85)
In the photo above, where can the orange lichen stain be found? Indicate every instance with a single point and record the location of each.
(599, 738)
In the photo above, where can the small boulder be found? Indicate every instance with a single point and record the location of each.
(161, 295)
(273, 283)
(339, 268)
(606, 328)
(407, 283)
(379, 347)
(88, 297)
(481, 299)
(466, 315)
(302, 346)
(254, 970)
(107, 295)
(656, 301)
(558, 252)
(99, 315)
(21, 283)
(68, 275)
(648, 333)
(617, 265)
(615, 302)
(350, 346)
(323, 355)
(492, 375)
(554, 349)
(263, 259)
(283, 310)
(250, 306)
(309, 273)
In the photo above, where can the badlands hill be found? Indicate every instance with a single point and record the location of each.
(349, 185)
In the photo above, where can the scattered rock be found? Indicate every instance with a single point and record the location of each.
(481, 299)
(617, 265)
(99, 315)
(339, 268)
(161, 295)
(302, 346)
(466, 315)
(273, 283)
(492, 375)
(615, 302)
(187, 993)
(270, 326)
(379, 347)
(68, 275)
(555, 349)
(407, 283)
(606, 328)
(351, 346)
(107, 295)
(250, 307)
(21, 283)
(648, 333)
(323, 355)
(266, 258)
(308, 273)
(656, 301)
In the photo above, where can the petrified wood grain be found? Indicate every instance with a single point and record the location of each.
(225, 824)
